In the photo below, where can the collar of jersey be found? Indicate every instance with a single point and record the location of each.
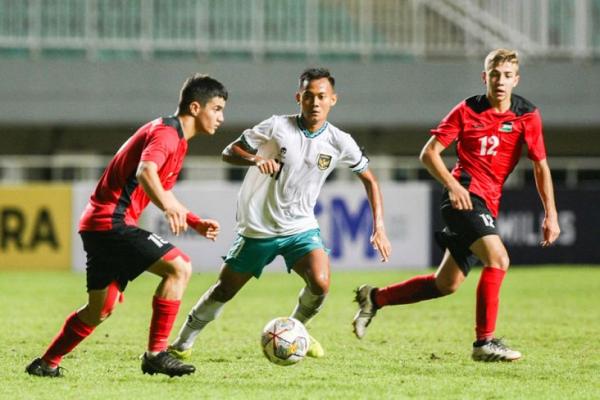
(173, 121)
(306, 132)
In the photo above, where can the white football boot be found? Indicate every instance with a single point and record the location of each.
(366, 310)
(494, 350)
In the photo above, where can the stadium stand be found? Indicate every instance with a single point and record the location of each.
(78, 75)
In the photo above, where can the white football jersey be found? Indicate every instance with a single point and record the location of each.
(283, 204)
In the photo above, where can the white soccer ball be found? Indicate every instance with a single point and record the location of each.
(284, 341)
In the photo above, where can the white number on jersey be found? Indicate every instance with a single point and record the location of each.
(488, 145)
(157, 240)
(487, 220)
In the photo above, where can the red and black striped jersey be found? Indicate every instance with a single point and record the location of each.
(489, 143)
(118, 198)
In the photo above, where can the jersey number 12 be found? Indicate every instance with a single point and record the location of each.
(488, 145)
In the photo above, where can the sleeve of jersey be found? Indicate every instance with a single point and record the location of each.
(160, 142)
(536, 149)
(353, 156)
(258, 135)
(448, 129)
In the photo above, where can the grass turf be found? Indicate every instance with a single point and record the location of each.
(551, 314)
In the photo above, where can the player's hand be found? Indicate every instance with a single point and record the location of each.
(380, 242)
(176, 216)
(209, 228)
(460, 197)
(267, 166)
(551, 230)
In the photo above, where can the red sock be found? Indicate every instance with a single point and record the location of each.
(488, 290)
(71, 334)
(164, 313)
(410, 291)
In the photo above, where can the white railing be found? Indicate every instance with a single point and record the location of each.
(568, 171)
(311, 28)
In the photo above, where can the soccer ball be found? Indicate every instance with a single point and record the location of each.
(284, 341)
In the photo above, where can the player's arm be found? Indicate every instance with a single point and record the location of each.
(379, 239)
(238, 154)
(432, 160)
(175, 212)
(543, 183)
(177, 215)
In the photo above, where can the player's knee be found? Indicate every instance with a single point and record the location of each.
(107, 311)
(180, 270)
(320, 285)
(447, 288)
(501, 261)
(505, 262)
(179, 266)
(93, 318)
(185, 271)
(104, 316)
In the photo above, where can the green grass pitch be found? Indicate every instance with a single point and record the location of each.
(551, 314)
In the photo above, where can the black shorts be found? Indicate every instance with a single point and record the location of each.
(463, 228)
(120, 254)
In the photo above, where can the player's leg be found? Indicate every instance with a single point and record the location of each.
(313, 268)
(103, 293)
(452, 271)
(491, 251)
(78, 325)
(139, 251)
(446, 280)
(208, 308)
(246, 258)
(305, 254)
(175, 269)
(494, 256)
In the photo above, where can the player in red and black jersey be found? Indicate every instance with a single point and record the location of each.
(489, 131)
(143, 170)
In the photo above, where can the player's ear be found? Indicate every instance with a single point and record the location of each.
(195, 108)
(484, 77)
(333, 99)
(298, 97)
(517, 78)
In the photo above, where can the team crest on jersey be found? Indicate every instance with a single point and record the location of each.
(506, 127)
(324, 161)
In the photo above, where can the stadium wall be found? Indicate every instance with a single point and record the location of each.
(520, 220)
(342, 211)
(61, 106)
(38, 225)
(382, 93)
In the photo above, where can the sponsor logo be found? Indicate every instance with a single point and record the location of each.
(35, 225)
(348, 224)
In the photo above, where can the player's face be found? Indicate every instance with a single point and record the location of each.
(210, 117)
(500, 81)
(316, 99)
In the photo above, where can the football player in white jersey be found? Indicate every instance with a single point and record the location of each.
(289, 157)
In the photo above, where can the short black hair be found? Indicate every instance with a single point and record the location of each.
(310, 74)
(201, 88)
